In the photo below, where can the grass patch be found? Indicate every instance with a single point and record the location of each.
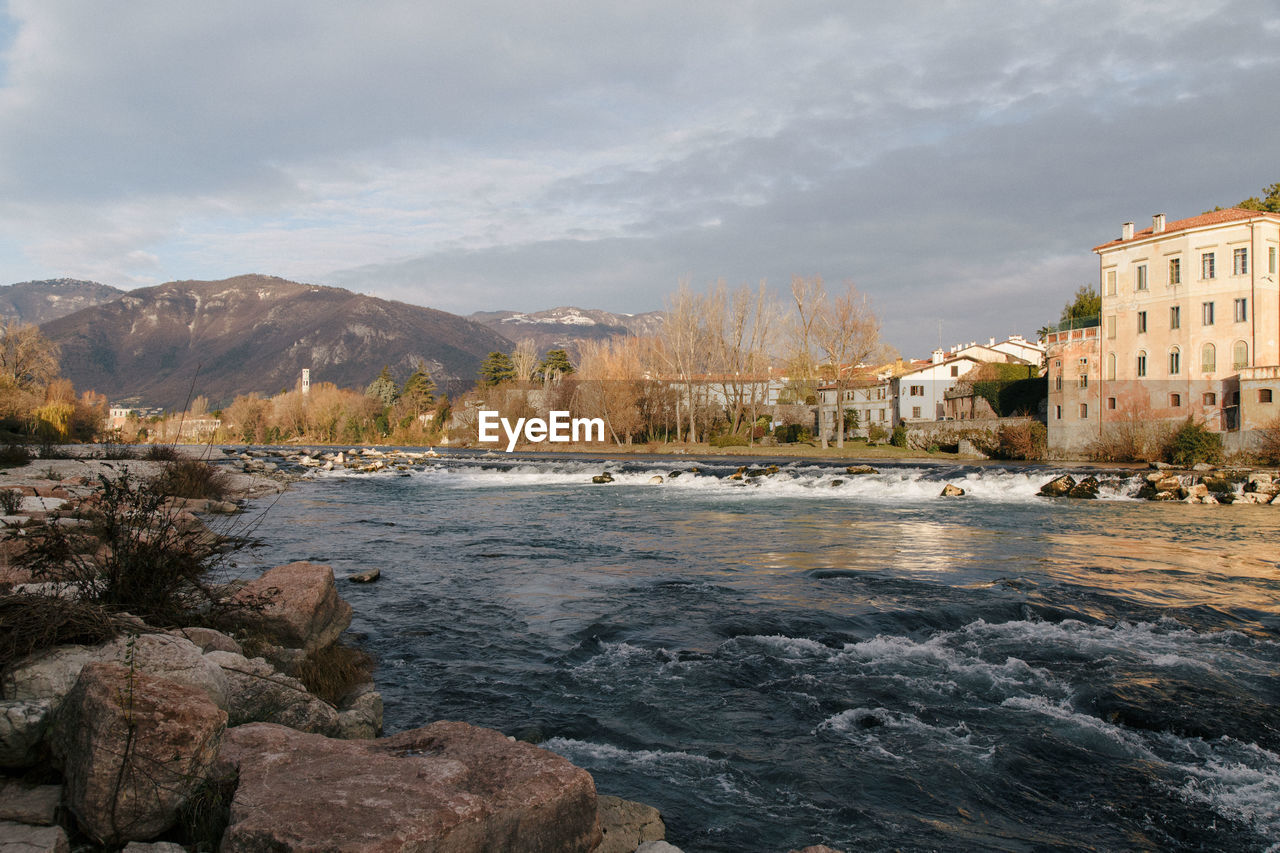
(330, 673)
(30, 622)
(161, 453)
(192, 478)
(10, 501)
(205, 816)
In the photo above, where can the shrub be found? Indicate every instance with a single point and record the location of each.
(899, 436)
(136, 554)
(30, 622)
(112, 450)
(1191, 444)
(14, 455)
(331, 672)
(191, 478)
(10, 501)
(1027, 440)
(161, 453)
(791, 433)
(728, 440)
(1269, 442)
(876, 434)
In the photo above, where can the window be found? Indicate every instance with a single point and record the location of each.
(1175, 361)
(1206, 265)
(1111, 326)
(1111, 366)
(1140, 277)
(955, 370)
(1240, 310)
(1240, 262)
(1271, 259)
(1142, 362)
(1264, 395)
(1084, 410)
(1111, 282)
(1142, 322)
(1084, 362)
(882, 414)
(1208, 358)
(1057, 382)
(915, 411)
(1206, 313)
(1175, 271)
(1175, 317)
(1210, 398)
(1111, 402)
(1057, 413)
(1084, 380)
(917, 391)
(1239, 355)
(1175, 400)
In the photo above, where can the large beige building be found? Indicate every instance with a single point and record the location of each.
(1189, 327)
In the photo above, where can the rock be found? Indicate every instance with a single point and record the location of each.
(153, 847)
(1058, 487)
(1085, 489)
(854, 470)
(175, 658)
(446, 787)
(757, 472)
(1196, 493)
(951, 491)
(132, 747)
(365, 577)
(301, 607)
(23, 723)
(21, 838)
(674, 474)
(606, 477)
(658, 847)
(626, 825)
(360, 714)
(837, 482)
(48, 674)
(1257, 498)
(288, 661)
(257, 693)
(656, 480)
(208, 640)
(1219, 485)
(37, 804)
(1201, 467)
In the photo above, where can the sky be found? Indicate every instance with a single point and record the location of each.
(956, 161)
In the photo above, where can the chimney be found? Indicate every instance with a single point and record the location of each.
(939, 356)
(991, 342)
(1157, 224)
(1126, 231)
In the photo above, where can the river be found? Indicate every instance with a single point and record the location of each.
(814, 657)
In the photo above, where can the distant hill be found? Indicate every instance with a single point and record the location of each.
(257, 333)
(41, 301)
(566, 327)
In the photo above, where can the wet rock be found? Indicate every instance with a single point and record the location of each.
(23, 724)
(300, 607)
(132, 747)
(756, 472)
(1219, 485)
(1086, 489)
(365, 577)
(835, 483)
(1195, 493)
(626, 825)
(656, 480)
(446, 787)
(950, 490)
(606, 477)
(258, 693)
(674, 474)
(35, 804)
(854, 470)
(1257, 498)
(22, 838)
(1058, 487)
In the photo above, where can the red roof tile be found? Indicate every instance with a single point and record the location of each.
(1213, 217)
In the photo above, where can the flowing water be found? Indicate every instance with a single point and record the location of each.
(815, 657)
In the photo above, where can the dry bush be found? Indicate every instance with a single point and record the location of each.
(30, 622)
(1268, 446)
(161, 453)
(331, 672)
(192, 478)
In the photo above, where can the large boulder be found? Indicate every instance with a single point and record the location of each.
(23, 723)
(132, 748)
(626, 825)
(297, 605)
(36, 804)
(257, 693)
(950, 490)
(22, 838)
(360, 713)
(48, 674)
(448, 787)
(1058, 487)
(1086, 489)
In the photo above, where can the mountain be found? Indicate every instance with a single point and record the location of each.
(41, 301)
(257, 333)
(565, 327)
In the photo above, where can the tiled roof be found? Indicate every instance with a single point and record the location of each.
(1213, 217)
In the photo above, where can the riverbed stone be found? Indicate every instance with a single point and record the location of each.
(626, 824)
(855, 470)
(950, 490)
(257, 692)
(35, 804)
(1058, 487)
(24, 838)
(600, 479)
(23, 725)
(297, 605)
(448, 787)
(368, 576)
(1086, 489)
(132, 747)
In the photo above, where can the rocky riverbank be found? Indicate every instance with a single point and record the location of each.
(169, 739)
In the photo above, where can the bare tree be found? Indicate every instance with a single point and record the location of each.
(525, 360)
(740, 323)
(848, 333)
(808, 298)
(684, 348)
(28, 360)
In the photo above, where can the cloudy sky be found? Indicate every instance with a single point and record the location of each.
(956, 160)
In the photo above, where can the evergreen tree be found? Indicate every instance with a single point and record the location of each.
(419, 391)
(496, 368)
(1269, 202)
(384, 388)
(555, 364)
